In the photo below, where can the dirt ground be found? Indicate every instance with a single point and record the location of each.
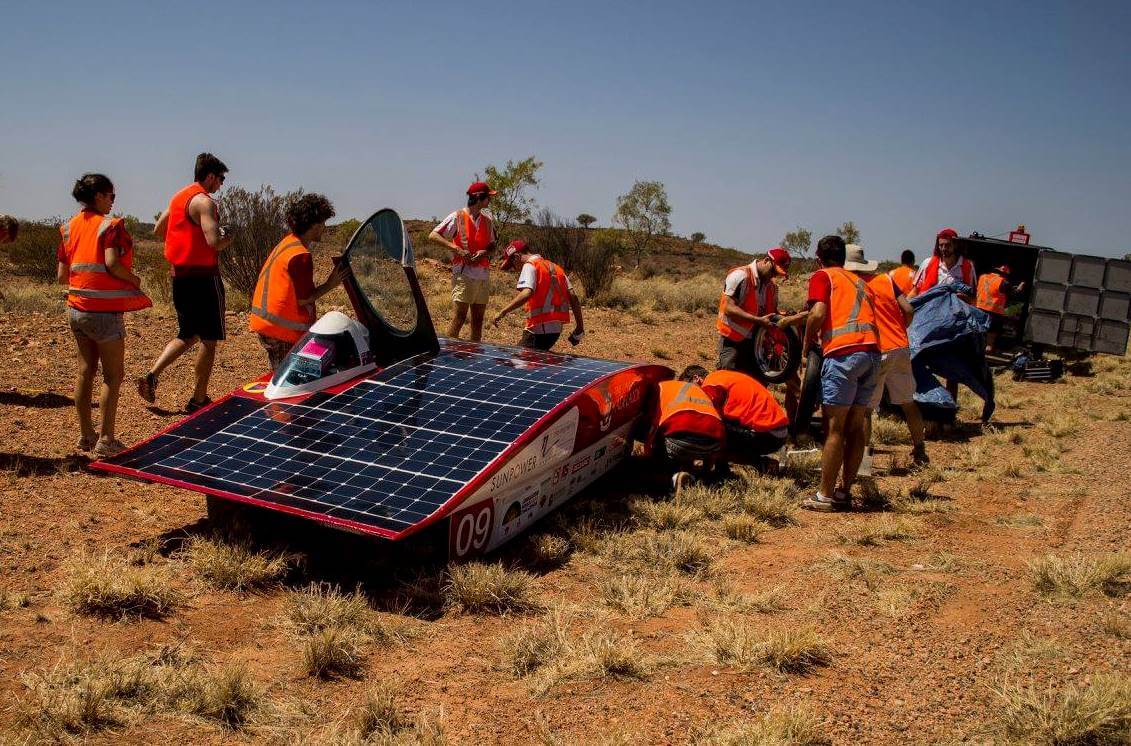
(921, 628)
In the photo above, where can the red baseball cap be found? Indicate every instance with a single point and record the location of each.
(513, 249)
(1004, 269)
(480, 187)
(947, 233)
(781, 259)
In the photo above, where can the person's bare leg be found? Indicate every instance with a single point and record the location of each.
(853, 445)
(203, 369)
(478, 311)
(459, 316)
(793, 392)
(832, 455)
(112, 354)
(169, 355)
(84, 383)
(914, 422)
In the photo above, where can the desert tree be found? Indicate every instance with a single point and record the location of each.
(258, 222)
(798, 242)
(698, 237)
(849, 232)
(644, 213)
(513, 204)
(585, 220)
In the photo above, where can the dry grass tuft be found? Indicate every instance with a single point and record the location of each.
(744, 528)
(334, 652)
(589, 535)
(851, 568)
(875, 531)
(710, 501)
(1020, 520)
(1060, 425)
(1098, 713)
(772, 501)
(791, 726)
(889, 431)
(1077, 575)
(535, 646)
(644, 595)
(790, 650)
(1011, 469)
(679, 551)
(548, 550)
(476, 588)
(226, 695)
(322, 606)
(378, 721)
(1116, 625)
(237, 566)
(768, 601)
(108, 585)
(611, 655)
(943, 562)
(666, 515)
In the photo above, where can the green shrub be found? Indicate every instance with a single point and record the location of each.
(32, 254)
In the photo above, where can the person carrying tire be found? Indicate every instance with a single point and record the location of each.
(283, 304)
(749, 301)
(193, 242)
(469, 233)
(546, 291)
(95, 259)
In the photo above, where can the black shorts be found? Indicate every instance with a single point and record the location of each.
(199, 302)
(736, 355)
(746, 443)
(538, 341)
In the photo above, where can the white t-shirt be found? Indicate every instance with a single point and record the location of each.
(948, 275)
(527, 279)
(736, 280)
(448, 228)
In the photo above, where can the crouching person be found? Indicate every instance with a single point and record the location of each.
(687, 433)
(756, 425)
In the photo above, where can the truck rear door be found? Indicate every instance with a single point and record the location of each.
(1080, 302)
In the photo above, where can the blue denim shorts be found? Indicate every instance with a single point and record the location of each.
(850, 380)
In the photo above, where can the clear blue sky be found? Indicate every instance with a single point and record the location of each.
(903, 117)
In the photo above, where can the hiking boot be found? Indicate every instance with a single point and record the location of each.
(823, 504)
(147, 387)
(107, 447)
(919, 455)
(194, 405)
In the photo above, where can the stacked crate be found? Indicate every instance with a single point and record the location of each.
(1080, 302)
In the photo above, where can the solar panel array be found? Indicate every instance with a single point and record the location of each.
(387, 452)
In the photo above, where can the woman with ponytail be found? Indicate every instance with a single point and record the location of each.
(94, 262)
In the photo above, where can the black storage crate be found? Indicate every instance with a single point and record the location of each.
(1080, 302)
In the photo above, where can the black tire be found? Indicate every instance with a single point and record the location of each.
(775, 369)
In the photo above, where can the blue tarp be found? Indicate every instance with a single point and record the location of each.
(947, 338)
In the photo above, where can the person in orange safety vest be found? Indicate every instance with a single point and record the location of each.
(993, 296)
(94, 261)
(283, 304)
(756, 425)
(545, 290)
(469, 233)
(193, 238)
(686, 432)
(904, 274)
(842, 315)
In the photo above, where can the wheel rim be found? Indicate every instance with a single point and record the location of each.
(771, 350)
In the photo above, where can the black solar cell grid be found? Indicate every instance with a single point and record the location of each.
(389, 451)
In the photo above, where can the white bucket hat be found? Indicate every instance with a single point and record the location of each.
(854, 259)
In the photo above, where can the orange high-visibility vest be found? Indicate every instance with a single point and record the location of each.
(851, 320)
(991, 297)
(930, 276)
(744, 401)
(686, 408)
(740, 329)
(889, 316)
(472, 238)
(904, 278)
(550, 299)
(275, 311)
(91, 287)
(185, 245)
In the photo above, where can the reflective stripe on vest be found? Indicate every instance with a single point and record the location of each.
(990, 296)
(685, 407)
(739, 329)
(91, 286)
(550, 299)
(263, 292)
(473, 239)
(856, 326)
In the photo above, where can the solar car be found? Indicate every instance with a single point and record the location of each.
(375, 425)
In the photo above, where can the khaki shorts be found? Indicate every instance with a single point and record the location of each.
(896, 376)
(472, 292)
